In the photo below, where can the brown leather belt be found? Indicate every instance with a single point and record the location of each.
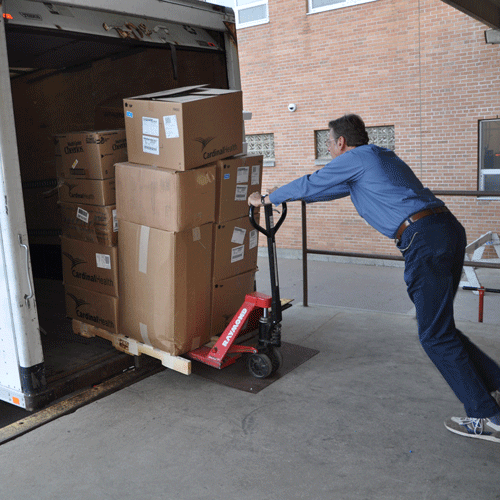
(416, 217)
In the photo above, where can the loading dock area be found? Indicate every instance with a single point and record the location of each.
(363, 418)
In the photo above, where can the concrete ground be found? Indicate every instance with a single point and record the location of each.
(363, 419)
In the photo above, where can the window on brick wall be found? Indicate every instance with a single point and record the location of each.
(381, 136)
(322, 5)
(489, 155)
(251, 13)
(262, 144)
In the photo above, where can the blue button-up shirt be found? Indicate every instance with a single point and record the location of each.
(383, 188)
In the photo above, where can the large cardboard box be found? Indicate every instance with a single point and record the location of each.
(165, 199)
(89, 191)
(90, 223)
(92, 307)
(89, 154)
(90, 265)
(237, 178)
(235, 248)
(184, 128)
(164, 286)
(227, 297)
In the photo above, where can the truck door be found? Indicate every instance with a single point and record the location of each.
(21, 358)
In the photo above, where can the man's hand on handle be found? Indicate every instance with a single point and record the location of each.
(257, 200)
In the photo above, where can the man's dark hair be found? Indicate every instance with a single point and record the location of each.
(352, 128)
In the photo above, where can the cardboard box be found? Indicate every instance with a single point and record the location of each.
(165, 199)
(90, 265)
(90, 223)
(227, 297)
(164, 286)
(91, 307)
(235, 248)
(89, 191)
(237, 178)
(184, 128)
(89, 155)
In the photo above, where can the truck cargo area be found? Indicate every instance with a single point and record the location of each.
(65, 80)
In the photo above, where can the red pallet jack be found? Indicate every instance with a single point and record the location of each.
(265, 358)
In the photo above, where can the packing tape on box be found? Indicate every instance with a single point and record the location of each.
(144, 333)
(143, 249)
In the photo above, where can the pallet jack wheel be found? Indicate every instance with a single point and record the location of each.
(260, 365)
(276, 358)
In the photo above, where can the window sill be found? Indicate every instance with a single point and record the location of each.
(321, 163)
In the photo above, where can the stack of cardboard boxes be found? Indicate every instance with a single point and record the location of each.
(87, 196)
(188, 253)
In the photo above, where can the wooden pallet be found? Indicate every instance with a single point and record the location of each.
(136, 348)
(133, 347)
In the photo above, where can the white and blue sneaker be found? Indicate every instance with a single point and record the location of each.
(480, 428)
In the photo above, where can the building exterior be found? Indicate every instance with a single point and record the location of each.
(419, 73)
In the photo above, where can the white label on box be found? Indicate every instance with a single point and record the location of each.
(255, 175)
(237, 254)
(253, 239)
(171, 128)
(241, 192)
(150, 145)
(196, 234)
(75, 163)
(82, 214)
(238, 235)
(150, 126)
(242, 175)
(103, 260)
(115, 222)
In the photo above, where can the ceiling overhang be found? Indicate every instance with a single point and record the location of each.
(485, 11)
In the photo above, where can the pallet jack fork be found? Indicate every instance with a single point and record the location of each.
(266, 358)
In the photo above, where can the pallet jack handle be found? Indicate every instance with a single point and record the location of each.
(272, 228)
(270, 232)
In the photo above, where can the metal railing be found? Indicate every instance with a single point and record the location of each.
(306, 251)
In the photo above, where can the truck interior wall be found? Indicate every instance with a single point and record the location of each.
(52, 101)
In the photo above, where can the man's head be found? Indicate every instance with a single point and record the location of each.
(346, 132)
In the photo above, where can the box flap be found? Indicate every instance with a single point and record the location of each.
(215, 91)
(171, 92)
(185, 98)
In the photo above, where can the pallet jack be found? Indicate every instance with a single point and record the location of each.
(258, 309)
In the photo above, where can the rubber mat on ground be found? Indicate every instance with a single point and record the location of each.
(238, 376)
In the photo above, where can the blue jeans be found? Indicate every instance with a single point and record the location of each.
(433, 248)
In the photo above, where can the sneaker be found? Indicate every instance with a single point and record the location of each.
(496, 396)
(481, 428)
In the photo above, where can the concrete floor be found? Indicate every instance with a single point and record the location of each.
(363, 419)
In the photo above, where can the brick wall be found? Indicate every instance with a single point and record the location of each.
(423, 67)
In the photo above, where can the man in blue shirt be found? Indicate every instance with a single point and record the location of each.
(388, 195)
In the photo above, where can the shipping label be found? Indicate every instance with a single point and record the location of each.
(242, 175)
(255, 179)
(150, 126)
(253, 239)
(196, 234)
(241, 192)
(115, 222)
(171, 128)
(238, 236)
(103, 260)
(150, 145)
(82, 214)
(237, 254)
